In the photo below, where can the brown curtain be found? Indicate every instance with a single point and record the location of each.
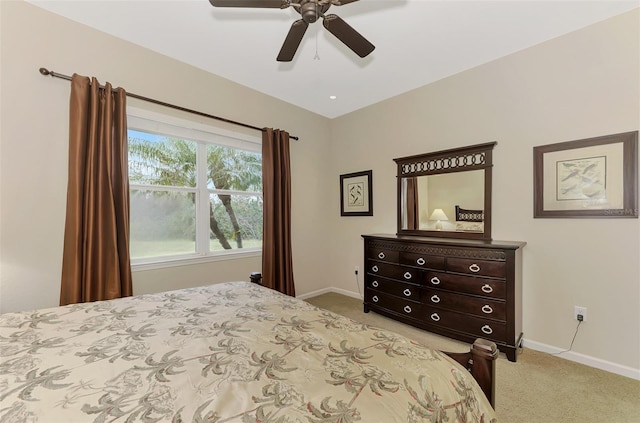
(95, 262)
(413, 218)
(277, 264)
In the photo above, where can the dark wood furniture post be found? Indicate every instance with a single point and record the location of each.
(480, 362)
(256, 277)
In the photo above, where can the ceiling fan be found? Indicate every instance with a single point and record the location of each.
(310, 11)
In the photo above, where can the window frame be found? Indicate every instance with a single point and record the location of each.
(203, 134)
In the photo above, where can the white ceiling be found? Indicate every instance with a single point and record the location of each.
(417, 41)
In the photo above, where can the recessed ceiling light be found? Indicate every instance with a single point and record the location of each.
(332, 97)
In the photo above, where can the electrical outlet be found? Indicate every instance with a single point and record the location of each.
(357, 269)
(580, 311)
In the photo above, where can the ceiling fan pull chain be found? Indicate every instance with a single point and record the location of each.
(317, 56)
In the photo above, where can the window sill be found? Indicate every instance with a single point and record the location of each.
(141, 265)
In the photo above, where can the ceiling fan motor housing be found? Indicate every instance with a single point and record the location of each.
(310, 10)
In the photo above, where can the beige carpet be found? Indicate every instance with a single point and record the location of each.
(539, 387)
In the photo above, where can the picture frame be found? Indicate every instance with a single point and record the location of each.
(587, 178)
(356, 194)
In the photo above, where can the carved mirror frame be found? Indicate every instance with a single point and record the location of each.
(463, 159)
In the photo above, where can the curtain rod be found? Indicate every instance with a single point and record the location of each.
(47, 72)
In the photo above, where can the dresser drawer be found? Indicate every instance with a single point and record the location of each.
(483, 307)
(383, 254)
(398, 305)
(476, 326)
(393, 271)
(491, 268)
(393, 287)
(422, 260)
(485, 287)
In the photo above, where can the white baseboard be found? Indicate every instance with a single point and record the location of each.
(347, 293)
(538, 346)
(314, 293)
(327, 290)
(597, 363)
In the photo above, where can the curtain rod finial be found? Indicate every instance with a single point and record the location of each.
(45, 71)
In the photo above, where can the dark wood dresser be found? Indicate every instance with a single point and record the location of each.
(463, 289)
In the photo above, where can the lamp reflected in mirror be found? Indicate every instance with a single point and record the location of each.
(438, 215)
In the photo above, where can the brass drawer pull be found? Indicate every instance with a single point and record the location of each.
(375, 284)
(407, 292)
(474, 268)
(487, 289)
(487, 309)
(374, 269)
(435, 281)
(381, 256)
(435, 299)
(407, 309)
(435, 317)
(375, 299)
(407, 275)
(421, 261)
(487, 329)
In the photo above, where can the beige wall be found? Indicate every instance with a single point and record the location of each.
(581, 85)
(34, 134)
(577, 86)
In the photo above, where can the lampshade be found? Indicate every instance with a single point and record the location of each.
(438, 214)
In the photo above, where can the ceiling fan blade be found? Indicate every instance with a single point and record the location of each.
(349, 36)
(275, 4)
(341, 2)
(291, 43)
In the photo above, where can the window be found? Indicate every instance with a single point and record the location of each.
(195, 190)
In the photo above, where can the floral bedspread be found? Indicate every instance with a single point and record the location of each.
(233, 352)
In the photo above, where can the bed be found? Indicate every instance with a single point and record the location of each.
(469, 219)
(231, 352)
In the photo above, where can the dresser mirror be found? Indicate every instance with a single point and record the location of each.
(446, 193)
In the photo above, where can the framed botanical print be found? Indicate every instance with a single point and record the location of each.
(356, 195)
